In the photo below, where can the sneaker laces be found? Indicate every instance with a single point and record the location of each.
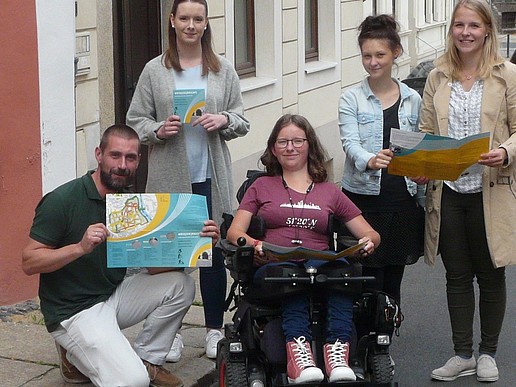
(337, 354)
(302, 355)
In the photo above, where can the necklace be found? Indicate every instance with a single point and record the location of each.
(469, 76)
(296, 240)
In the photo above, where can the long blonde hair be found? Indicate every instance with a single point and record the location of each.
(490, 56)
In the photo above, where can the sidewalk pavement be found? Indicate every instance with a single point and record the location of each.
(28, 356)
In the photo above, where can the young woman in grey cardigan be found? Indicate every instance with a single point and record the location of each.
(192, 158)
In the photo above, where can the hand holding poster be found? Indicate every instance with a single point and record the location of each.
(435, 157)
(188, 104)
(157, 230)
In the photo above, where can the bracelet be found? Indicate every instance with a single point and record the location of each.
(255, 243)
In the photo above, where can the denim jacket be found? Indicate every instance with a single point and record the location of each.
(361, 133)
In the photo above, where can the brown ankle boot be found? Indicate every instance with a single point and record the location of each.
(69, 372)
(161, 377)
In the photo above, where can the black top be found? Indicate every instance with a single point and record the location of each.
(393, 189)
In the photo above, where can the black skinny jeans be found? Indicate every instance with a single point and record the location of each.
(465, 255)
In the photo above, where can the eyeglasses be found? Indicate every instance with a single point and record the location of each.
(296, 142)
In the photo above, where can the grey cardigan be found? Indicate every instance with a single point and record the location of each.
(168, 162)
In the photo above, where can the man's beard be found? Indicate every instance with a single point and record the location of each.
(119, 183)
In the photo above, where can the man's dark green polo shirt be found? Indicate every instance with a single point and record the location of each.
(62, 216)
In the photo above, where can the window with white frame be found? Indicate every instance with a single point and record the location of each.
(325, 68)
(256, 51)
(311, 31)
(245, 64)
(384, 7)
(431, 11)
(441, 13)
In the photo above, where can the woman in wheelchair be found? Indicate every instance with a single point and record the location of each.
(295, 200)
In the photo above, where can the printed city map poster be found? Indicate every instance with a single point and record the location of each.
(157, 230)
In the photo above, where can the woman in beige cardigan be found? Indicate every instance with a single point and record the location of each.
(471, 221)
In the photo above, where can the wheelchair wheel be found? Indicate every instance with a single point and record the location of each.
(231, 373)
(380, 368)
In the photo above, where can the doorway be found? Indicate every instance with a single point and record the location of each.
(136, 40)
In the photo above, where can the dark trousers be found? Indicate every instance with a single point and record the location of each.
(388, 279)
(213, 280)
(465, 255)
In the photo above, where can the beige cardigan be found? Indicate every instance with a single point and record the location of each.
(498, 184)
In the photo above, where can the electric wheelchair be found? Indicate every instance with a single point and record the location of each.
(253, 354)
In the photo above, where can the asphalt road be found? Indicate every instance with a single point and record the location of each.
(425, 342)
(425, 338)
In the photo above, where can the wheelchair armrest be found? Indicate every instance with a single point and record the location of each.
(226, 246)
(238, 260)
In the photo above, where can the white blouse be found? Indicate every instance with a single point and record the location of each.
(463, 121)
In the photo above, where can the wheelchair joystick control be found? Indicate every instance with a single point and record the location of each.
(241, 241)
(311, 270)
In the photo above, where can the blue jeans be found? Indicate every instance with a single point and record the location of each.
(213, 279)
(295, 308)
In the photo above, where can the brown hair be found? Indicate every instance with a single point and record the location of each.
(210, 61)
(317, 155)
(380, 27)
(490, 55)
(119, 130)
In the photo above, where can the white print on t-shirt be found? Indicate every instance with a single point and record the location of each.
(301, 204)
(301, 222)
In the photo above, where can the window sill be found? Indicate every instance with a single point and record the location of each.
(318, 66)
(253, 83)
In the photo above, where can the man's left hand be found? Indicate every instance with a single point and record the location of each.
(211, 230)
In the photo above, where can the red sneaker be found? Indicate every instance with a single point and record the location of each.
(336, 358)
(301, 366)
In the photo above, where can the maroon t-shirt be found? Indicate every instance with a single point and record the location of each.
(306, 220)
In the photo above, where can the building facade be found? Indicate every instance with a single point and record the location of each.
(505, 13)
(68, 73)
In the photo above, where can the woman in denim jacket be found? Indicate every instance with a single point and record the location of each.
(367, 113)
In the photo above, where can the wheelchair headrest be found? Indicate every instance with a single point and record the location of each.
(252, 175)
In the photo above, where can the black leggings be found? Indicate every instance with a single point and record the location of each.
(465, 255)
